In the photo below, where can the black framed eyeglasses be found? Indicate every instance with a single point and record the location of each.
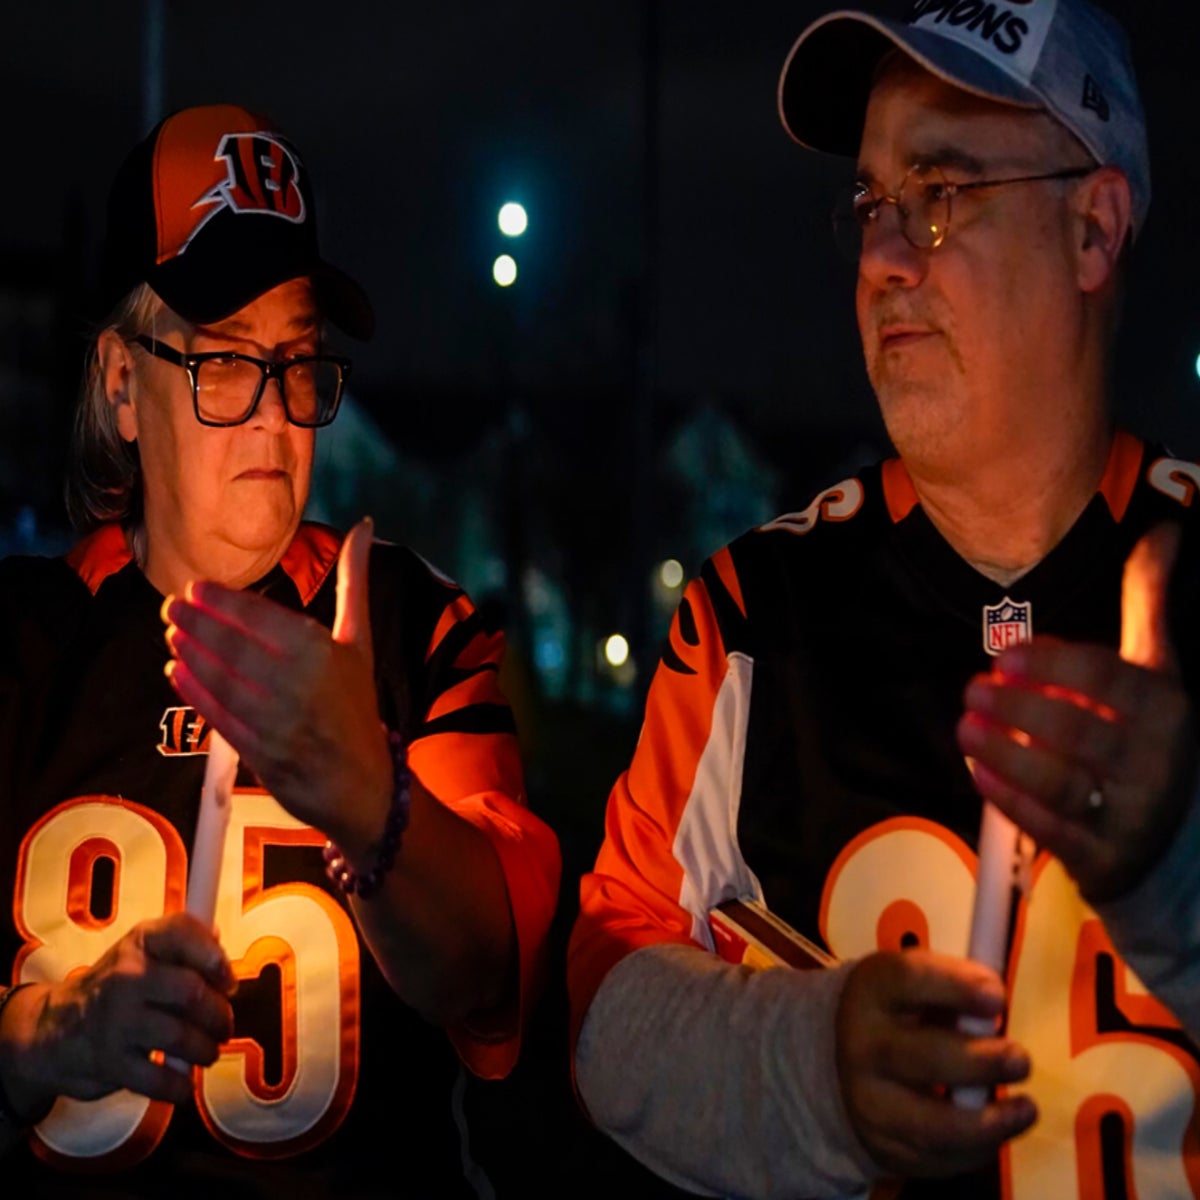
(923, 202)
(226, 387)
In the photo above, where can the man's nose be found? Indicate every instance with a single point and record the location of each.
(888, 258)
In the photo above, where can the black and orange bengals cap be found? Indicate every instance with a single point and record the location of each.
(212, 209)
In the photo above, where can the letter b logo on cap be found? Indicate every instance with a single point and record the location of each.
(262, 176)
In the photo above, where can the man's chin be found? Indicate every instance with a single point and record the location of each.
(896, 393)
(921, 417)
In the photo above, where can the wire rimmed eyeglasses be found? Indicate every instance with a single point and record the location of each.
(227, 386)
(923, 202)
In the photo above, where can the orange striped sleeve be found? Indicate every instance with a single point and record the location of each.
(632, 897)
(457, 610)
(465, 754)
(722, 563)
(479, 688)
(484, 649)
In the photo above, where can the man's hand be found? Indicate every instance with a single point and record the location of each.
(297, 703)
(899, 1054)
(164, 986)
(1092, 753)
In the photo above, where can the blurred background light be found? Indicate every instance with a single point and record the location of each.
(504, 270)
(616, 650)
(512, 219)
(671, 573)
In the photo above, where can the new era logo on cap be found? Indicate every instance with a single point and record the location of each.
(1093, 98)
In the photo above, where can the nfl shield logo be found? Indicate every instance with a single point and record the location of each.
(1005, 624)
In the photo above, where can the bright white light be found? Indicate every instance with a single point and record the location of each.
(616, 650)
(671, 573)
(504, 270)
(513, 220)
(1198, 365)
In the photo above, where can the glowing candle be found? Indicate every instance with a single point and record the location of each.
(1144, 639)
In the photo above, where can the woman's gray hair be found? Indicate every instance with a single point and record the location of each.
(104, 476)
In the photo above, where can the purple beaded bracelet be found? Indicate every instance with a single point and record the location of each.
(367, 884)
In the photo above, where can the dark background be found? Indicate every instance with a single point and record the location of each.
(677, 360)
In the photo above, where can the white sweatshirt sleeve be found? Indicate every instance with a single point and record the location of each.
(722, 1079)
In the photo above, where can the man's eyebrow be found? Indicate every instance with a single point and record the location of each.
(946, 156)
(949, 156)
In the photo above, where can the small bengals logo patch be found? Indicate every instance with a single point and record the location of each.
(184, 732)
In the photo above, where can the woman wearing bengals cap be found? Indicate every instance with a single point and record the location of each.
(380, 869)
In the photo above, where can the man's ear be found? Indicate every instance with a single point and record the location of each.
(1104, 207)
(116, 372)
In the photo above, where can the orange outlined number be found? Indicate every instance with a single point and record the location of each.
(52, 910)
(838, 503)
(1081, 1075)
(297, 927)
(1176, 478)
(308, 935)
(909, 881)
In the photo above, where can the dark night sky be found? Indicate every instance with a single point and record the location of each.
(417, 121)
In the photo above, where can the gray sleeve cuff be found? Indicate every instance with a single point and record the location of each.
(721, 1079)
(1156, 927)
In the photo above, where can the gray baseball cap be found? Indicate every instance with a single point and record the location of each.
(1063, 56)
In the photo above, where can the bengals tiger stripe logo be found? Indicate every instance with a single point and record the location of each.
(184, 732)
(262, 175)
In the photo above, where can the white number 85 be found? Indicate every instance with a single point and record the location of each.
(296, 926)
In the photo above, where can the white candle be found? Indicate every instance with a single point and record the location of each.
(208, 845)
(990, 921)
(215, 797)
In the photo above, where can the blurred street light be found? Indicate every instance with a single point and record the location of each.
(671, 573)
(504, 270)
(616, 650)
(512, 219)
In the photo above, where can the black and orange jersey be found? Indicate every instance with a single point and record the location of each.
(330, 1083)
(799, 750)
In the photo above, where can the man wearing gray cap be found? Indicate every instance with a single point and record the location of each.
(974, 633)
